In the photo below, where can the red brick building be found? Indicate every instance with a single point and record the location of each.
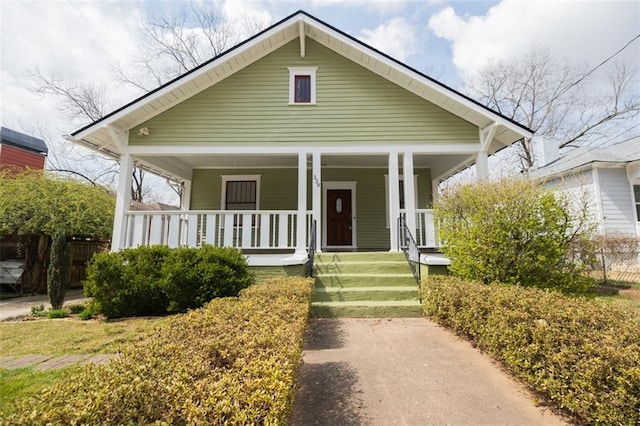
(20, 150)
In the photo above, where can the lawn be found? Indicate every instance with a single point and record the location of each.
(24, 382)
(71, 336)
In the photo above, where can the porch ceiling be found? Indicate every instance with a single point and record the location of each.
(181, 167)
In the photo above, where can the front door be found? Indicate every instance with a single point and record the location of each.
(339, 217)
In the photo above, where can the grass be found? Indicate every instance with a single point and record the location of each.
(70, 337)
(25, 382)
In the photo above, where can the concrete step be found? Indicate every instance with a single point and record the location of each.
(336, 294)
(361, 267)
(367, 309)
(365, 280)
(375, 256)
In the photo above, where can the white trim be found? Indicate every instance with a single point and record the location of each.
(347, 185)
(386, 192)
(302, 71)
(382, 149)
(410, 196)
(185, 203)
(235, 178)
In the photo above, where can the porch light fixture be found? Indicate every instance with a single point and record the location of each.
(143, 131)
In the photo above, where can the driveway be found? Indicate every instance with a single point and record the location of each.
(406, 371)
(20, 306)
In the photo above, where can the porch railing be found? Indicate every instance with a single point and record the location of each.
(311, 249)
(254, 229)
(409, 247)
(425, 228)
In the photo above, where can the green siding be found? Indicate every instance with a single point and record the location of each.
(354, 105)
(279, 191)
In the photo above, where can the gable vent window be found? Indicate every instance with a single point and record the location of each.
(302, 85)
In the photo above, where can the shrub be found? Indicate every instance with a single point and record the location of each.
(75, 308)
(582, 355)
(155, 280)
(193, 277)
(38, 310)
(515, 232)
(128, 282)
(57, 313)
(232, 362)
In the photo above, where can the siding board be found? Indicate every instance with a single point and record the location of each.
(617, 204)
(354, 105)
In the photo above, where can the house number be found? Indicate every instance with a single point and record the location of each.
(339, 205)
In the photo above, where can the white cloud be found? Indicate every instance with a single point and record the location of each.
(396, 38)
(243, 12)
(80, 41)
(586, 31)
(382, 6)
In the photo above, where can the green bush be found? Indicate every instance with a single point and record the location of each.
(57, 313)
(155, 280)
(233, 362)
(515, 232)
(128, 282)
(193, 277)
(38, 310)
(583, 355)
(75, 308)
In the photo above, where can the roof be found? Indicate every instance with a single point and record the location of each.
(23, 141)
(620, 153)
(97, 135)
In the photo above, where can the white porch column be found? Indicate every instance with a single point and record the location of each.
(482, 166)
(185, 199)
(409, 192)
(394, 200)
(316, 193)
(123, 201)
(301, 244)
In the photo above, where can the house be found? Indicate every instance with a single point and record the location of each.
(301, 134)
(608, 176)
(21, 150)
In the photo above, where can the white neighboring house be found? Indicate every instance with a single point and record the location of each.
(609, 175)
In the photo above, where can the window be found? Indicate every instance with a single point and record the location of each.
(636, 194)
(302, 89)
(302, 85)
(240, 192)
(241, 195)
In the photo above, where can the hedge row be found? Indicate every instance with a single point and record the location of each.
(582, 355)
(232, 362)
(155, 280)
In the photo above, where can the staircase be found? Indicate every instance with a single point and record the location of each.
(364, 285)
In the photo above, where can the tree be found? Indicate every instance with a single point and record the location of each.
(40, 207)
(172, 43)
(515, 232)
(558, 101)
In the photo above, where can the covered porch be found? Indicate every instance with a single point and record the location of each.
(275, 203)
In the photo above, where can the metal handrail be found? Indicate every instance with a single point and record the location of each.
(409, 247)
(311, 250)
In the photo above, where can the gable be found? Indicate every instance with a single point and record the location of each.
(354, 106)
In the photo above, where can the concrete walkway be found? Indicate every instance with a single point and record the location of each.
(20, 306)
(407, 371)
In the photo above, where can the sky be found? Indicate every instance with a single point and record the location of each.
(449, 40)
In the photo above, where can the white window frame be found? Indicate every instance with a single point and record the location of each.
(235, 178)
(302, 71)
(386, 193)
